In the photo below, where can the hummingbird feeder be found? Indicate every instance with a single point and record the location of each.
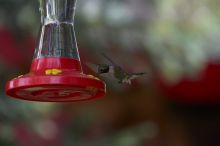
(56, 74)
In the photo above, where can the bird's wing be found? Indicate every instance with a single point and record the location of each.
(109, 59)
(116, 66)
(99, 64)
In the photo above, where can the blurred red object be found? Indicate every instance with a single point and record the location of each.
(12, 52)
(204, 90)
(27, 136)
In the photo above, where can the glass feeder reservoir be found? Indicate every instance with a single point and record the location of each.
(56, 74)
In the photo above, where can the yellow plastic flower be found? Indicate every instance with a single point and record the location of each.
(53, 71)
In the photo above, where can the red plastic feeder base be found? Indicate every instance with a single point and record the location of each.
(56, 80)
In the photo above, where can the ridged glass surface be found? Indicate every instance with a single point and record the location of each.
(57, 37)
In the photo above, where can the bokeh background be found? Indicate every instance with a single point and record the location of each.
(176, 104)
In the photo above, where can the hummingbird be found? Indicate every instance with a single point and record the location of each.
(118, 72)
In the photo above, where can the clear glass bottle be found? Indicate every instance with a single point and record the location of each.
(57, 36)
